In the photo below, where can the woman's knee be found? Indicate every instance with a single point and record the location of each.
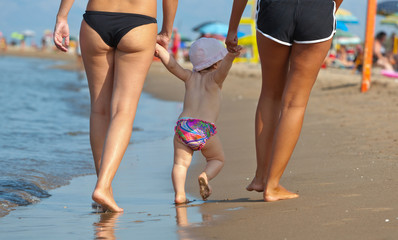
(103, 110)
(123, 114)
(295, 101)
(271, 94)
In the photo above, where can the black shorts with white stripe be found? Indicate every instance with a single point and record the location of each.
(296, 21)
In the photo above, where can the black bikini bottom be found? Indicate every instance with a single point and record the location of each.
(113, 26)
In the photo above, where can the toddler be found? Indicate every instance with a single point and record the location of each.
(195, 129)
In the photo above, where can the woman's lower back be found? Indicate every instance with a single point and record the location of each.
(144, 7)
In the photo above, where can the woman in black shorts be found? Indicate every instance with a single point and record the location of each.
(293, 38)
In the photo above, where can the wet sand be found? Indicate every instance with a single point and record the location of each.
(142, 187)
(344, 168)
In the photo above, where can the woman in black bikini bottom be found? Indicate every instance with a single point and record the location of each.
(117, 39)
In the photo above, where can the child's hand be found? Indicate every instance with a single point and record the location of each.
(238, 49)
(156, 53)
(158, 48)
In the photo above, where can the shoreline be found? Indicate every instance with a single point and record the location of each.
(343, 166)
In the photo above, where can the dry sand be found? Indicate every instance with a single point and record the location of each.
(344, 166)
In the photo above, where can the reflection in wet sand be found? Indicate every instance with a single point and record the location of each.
(183, 222)
(182, 217)
(106, 226)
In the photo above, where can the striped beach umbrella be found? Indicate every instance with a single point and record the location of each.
(341, 26)
(346, 38)
(346, 16)
(391, 20)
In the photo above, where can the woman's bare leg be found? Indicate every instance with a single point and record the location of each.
(274, 66)
(214, 155)
(305, 62)
(98, 61)
(133, 58)
(182, 160)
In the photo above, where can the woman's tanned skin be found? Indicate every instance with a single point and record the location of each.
(289, 73)
(115, 78)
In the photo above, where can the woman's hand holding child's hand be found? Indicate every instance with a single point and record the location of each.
(232, 42)
(237, 49)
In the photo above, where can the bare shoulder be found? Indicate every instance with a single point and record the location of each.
(192, 76)
(210, 80)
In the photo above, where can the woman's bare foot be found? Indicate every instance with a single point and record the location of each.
(278, 193)
(256, 185)
(204, 187)
(180, 198)
(97, 207)
(105, 199)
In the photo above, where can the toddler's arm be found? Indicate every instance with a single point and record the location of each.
(171, 64)
(222, 71)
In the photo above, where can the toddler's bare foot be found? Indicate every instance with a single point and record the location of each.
(180, 198)
(278, 193)
(256, 185)
(205, 189)
(105, 199)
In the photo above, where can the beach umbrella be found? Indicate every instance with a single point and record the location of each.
(214, 28)
(185, 39)
(387, 8)
(28, 33)
(342, 26)
(346, 16)
(346, 38)
(197, 28)
(17, 35)
(391, 20)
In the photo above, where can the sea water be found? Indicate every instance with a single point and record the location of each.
(44, 143)
(44, 129)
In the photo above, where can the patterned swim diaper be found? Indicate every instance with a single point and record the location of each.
(194, 132)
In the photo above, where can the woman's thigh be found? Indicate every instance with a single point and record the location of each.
(133, 57)
(98, 59)
(305, 63)
(274, 59)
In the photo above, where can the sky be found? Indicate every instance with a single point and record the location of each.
(39, 15)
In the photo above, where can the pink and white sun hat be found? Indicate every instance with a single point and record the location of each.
(205, 52)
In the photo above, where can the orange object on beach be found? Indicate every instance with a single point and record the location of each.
(369, 40)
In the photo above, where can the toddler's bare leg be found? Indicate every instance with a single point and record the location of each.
(182, 160)
(214, 155)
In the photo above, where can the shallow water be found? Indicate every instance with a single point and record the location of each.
(43, 125)
(44, 136)
(142, 187)
(47, 144)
